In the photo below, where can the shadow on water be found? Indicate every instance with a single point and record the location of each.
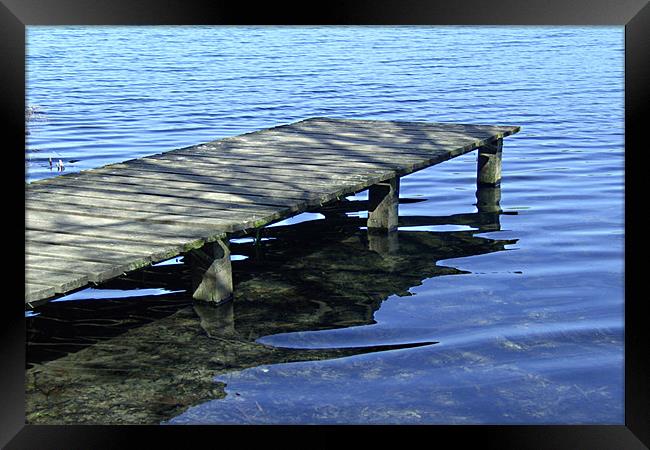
(147, 359)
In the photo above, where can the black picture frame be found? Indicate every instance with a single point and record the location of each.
(15, 15)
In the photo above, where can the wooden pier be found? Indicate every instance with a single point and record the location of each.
(87, 227)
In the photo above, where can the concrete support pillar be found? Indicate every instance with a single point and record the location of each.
(383, 202)
(489, 164)
(211, 272)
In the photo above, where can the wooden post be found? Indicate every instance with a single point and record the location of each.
(489, 210)
(488, 198)
(211, 272)
(216, 319)
(382, 242)
(383, 202)
(489, 164)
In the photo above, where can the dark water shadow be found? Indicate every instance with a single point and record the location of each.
(147, 359)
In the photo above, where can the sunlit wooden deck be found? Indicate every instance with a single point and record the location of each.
(91, 226)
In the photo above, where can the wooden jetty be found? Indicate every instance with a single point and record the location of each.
(94, 225)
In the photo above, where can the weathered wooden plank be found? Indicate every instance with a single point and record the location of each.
(434, 154)
(285, 154)
(407, 167)
(265, 168)
(163, 234)
(312, 153)
(342, 180)
(399, 166)
(387, 130)
(224, 222)
(37, 284)
(289, 179)
(84, 254)
(126, 236)
(398, 125)
(388, 127)
(346, 148)
(326, 139)
(97, 198)
(148, 187)
(175, 182)
(125, 201)
(263, 172)
(34, 291)
(335, 190)
(414, 137)
(38, 240)
(333, 127)
(363, 136)
(95, 271)
(258, 159)
(61, 282)
(228, 200)
(133, 224)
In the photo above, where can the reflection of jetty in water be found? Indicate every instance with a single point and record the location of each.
(146, 360)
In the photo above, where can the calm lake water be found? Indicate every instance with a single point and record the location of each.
(479, 317)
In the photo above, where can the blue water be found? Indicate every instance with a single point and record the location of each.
(533, 334)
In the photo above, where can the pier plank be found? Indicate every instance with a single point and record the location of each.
(125, 200)
(274, 171)
(258, 160)
(96, 246)
(146, 185)
(295, 144)
(55, 222)
(300, 155)
(36, 291)
(75, 252)
(137, 216)
(60, 282)
(223, 183)
(226, 199)
(95, 271)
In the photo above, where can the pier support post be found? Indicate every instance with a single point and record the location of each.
(383, 202)
(489, 210)
(216, 321)
(489, 164)
(383, 243)
(488, 198)
(211, 272)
